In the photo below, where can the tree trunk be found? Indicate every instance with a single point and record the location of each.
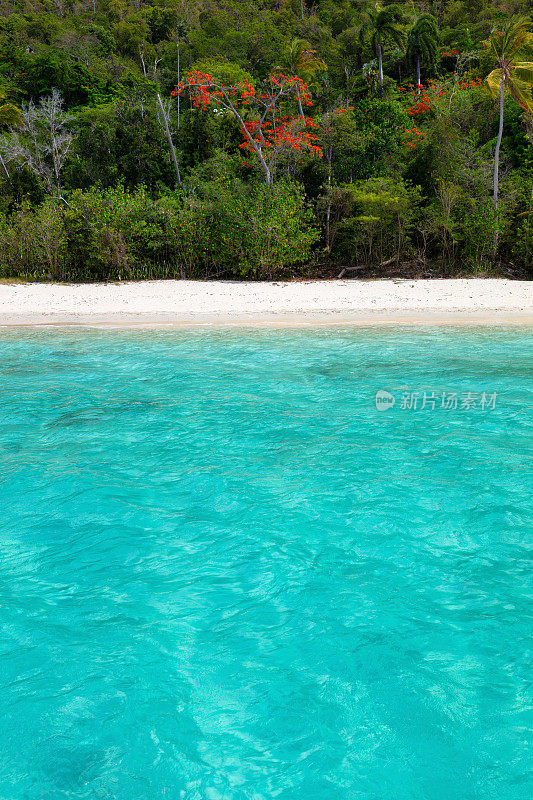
(380, 66)
(169, 139)
(178, 49)
(301, 9)
(300, 109)
(498, 143)
(497, 163)
(264, 165)
(257, 148)
(528, 234)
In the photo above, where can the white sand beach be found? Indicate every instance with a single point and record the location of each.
(227, 303)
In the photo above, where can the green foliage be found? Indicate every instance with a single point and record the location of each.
(383, 123)
(132, 32)
(9, 113)
(21, 186)
(228, 229)
(385, 25)
(99, 235)
(38, 74)
(398, 182)
(259, 230)
(226, 72)
(120, 141)
(233, 229)
(345, 143)
(376, 220)
(32, 242)
(245, 33)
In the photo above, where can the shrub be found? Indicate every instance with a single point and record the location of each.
(114, 233)
(32, 244)
(223, 229)
(377, 220)
(258, 230)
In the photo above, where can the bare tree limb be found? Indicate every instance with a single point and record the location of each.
(43, 144)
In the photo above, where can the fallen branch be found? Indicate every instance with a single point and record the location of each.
(351, 269)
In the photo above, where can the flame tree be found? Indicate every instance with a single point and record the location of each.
(265, 116)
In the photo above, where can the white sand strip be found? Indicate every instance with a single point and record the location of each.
(344, 302)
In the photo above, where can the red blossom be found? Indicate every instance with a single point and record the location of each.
(271, 133)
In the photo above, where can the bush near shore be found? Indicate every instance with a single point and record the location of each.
(229, 230)
(236, 230)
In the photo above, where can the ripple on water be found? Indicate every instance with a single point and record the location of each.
(226, 576)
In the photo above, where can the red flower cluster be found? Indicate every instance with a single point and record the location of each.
(470, 84)
(424, 104)
(204, 90)
(290, 133)
(425, 101)
(410, 132)
(287, 84)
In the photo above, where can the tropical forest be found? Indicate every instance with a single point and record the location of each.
(279, 139)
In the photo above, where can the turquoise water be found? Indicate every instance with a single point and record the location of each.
(225, 575)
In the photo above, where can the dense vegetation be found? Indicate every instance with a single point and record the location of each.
(215, 138)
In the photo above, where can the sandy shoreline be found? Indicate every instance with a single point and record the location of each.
(227, 303)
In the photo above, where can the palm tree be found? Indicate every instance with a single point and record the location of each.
(510, 73)
(384, 24)
(301, 59)
(423, 44)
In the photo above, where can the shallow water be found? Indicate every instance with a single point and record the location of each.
(226, 575)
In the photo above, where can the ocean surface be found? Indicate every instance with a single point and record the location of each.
(225, 574)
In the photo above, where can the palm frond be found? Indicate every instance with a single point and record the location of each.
(494, 80)
(10, 114)
(521, 92)
(524, 71)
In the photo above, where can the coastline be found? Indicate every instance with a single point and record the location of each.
(168, 304)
